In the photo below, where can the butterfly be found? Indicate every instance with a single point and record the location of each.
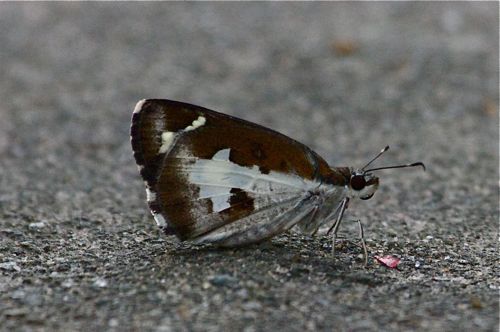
(214, 178)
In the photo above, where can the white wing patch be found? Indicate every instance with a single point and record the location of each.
(222, 155)
(138, 106)
(196, 123)
(221, 172)
(167, 139)
(217, 176)
(218, 195)
(150, 195)
(160, 221)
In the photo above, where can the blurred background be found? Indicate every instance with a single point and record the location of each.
(344, 78)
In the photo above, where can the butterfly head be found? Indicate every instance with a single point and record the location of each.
(363, 183)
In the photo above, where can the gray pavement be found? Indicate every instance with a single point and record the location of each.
(79, 250)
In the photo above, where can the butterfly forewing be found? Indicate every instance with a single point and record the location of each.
(216, 178)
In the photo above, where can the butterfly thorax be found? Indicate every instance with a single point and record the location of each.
(337, 176)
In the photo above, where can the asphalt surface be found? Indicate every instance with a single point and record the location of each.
(79, 249)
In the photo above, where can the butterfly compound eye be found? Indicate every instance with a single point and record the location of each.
(358, 182)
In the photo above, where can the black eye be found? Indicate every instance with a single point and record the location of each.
(366, 197)
(358, 182)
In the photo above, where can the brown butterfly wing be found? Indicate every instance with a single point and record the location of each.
(201, 166)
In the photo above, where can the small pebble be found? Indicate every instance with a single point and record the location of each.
(10, 266)
(37, 225)
(100, 282)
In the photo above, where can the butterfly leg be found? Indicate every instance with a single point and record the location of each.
(336, 224)
(363, 243)
(362, 240)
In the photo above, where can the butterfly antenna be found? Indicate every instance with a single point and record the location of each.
(376, 157)
(397, 166)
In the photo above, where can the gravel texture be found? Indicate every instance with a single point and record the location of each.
(79, 249)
